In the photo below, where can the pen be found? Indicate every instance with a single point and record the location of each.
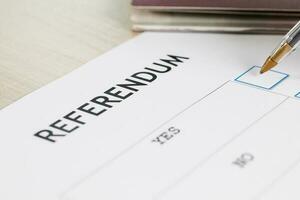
(288, 44)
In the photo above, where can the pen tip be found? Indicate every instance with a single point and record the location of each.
(269, 64)
(263, 70)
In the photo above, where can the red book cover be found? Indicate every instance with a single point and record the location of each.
(249, 5)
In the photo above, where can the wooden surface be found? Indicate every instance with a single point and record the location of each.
(43, 40)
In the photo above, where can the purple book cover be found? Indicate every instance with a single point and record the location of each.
(268, 5)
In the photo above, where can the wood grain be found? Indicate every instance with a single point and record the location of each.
(43, 40)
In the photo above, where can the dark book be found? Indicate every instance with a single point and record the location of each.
(246, 5)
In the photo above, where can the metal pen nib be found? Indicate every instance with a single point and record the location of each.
(276, 57)
(269, 64)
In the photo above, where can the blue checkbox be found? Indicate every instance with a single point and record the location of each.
(266, 81)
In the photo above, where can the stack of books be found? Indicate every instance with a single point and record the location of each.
(243, 16)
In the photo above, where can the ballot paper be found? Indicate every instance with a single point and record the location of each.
(165, 116)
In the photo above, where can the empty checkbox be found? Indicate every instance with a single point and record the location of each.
(267, 81)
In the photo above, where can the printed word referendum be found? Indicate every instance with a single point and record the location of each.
(101, 104)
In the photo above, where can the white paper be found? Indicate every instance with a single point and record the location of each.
(204, 125)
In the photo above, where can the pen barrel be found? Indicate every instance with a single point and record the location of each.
(295, 40)
(289, 43)
(293, 36)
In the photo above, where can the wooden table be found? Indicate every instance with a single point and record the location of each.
(43, 40)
